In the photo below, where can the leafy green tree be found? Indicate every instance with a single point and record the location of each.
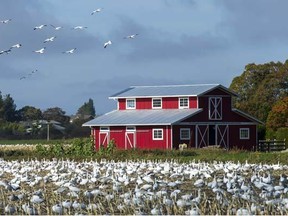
(56, 114)
(259, 87)
(1, 107)
(87, 109)
(29, 113)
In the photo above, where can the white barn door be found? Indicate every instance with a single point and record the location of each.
(103, 139)
(202, 138)
(222, 137)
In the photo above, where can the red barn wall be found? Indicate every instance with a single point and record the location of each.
(143, 103)
(246, 144)
(144, 139)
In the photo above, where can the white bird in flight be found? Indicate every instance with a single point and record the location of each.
(56, 27)
(131, 36)
(5, 21)
(70, 51)
(39, 27)
(107, 43)
(96, 11)
(5, 51)
(51, 39)
(16, 46)
(40, 51)
(79, 27)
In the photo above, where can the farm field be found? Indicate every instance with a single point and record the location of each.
(63, 186)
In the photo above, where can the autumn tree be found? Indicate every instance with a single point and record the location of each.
(278, 116)
(260, 87)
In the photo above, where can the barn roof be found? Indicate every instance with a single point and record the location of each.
(142, 117)
(169, 90)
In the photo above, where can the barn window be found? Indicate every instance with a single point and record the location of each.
(244, 133)
(130, 129)
(156, 103)
(184, 133)
(215, 108)
(104, 129)
(157, 134)
(130, 103)
(183, 102)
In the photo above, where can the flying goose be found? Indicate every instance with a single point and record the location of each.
(131, 36)
(16, 46)
(56, 27)
(107, 43)
(79, 27)
(39, 27)
(96, 11)
(70, 51)
(51, 39)
(40, 51)
(5, 21)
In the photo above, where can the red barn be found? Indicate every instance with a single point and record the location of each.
(165, 116)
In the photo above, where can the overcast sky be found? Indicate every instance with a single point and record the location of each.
(178, 42)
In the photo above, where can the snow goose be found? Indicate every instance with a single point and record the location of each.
(18, 45)
(5, 21)
(39, 27)
(79, 27)
(40, 51)
(69, 51)
(131, 36)
(96, 11)
(57, 27)
(58, 209)
(107, 43)
(51, 39)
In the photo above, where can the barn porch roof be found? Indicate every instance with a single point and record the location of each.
(142, 117)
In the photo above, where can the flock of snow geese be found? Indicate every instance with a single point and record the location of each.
(142, 187)
(52, 38)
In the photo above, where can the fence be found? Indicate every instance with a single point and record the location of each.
(271, 145)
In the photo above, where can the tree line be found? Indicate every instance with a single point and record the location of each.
(31, 122)
(263, 93)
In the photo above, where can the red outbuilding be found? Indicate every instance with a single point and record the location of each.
(162, 117)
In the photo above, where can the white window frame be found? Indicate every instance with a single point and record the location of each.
(244, 130)
(179, 102)
(215, 108)
(104, 129)
(189, 134)
(153, 134)
(131, 99)
(130, 128)
(156, 107)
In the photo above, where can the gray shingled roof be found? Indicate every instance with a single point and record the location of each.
(142, 117)
(168, 90)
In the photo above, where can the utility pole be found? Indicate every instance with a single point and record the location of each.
(48, 130)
